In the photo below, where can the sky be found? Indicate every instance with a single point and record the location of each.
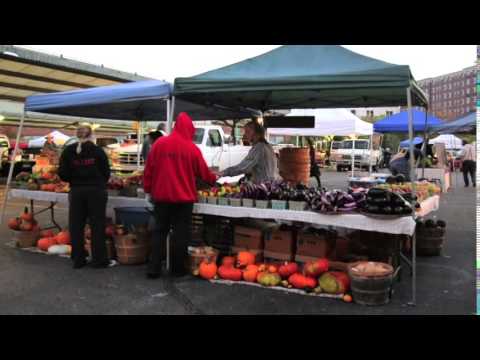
(165, 62)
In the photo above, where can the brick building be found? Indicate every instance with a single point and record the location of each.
(451, 95)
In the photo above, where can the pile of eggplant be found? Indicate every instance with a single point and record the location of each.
(336, 201)
(384, 202)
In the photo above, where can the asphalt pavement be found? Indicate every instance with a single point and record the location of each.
(40, 284)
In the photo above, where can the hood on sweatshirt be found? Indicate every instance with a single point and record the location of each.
(184, 126)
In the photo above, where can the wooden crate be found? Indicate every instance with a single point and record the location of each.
(247, 237)
(317, 244)
(280, 241)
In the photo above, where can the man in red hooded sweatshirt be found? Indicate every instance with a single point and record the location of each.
(173, 164)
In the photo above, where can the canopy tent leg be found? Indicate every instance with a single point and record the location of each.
(370, 156)
(425, 143)
(412, 178)
(170, 117)
(139, 144)
(12, 165)
(353, 158)
(167, 117)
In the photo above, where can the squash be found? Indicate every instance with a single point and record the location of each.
(245, 258)
(272, 269)
(288, 269)
(230, 273)
(335, 282)
(269, 279)
(63, 238)
(207, 270)
(300, 281)
(26, 216)
(14, 223)
(26, 226)
(59, 249)
(47, 233)
(316, 268)
(228, 261)
(44, 243)
(250, 273)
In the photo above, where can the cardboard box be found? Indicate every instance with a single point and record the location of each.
(249, 238)
(280, 241)
(313, 245)
(258, 252)
(275, 256)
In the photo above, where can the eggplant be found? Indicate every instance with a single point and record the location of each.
(387, 210)
(374, 192)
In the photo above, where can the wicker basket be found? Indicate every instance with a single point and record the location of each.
(248, 203)
(194, 260)
(131, 251)
(297, 205)
(235, 202)
(279, 204)
(262, 204)
(212, 200)
(223, 201)
(25, 239)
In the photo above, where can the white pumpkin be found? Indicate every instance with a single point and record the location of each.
(59, 249)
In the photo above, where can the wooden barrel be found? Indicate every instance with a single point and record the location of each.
(25, 239)
(130, 250)
(430, 241)
(294, 165)
(371, 288)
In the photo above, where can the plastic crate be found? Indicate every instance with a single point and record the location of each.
(297, 205)
(223, 201)
(279, 204)
(235, 202)
(262, 204)
(247, 202)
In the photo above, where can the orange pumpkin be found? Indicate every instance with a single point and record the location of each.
(272, 269)
(14, 223)
(245, 258)
(228, 261)
(47, 233)
(44, 243)
(26, 216)
(63, 238)
(26, 226)
(250, 273)
(230, 273)
(207, 270)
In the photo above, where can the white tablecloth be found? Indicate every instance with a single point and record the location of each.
(404, 225)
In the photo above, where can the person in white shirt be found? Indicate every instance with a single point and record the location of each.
(469, 163)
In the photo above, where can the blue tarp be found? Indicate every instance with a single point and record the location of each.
(399, 122)
(406, 143)
(142, 100)
(465, 124)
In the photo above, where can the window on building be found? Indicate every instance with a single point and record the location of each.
(468, 91)
(468, 81)
(468, 100)
(389, 113)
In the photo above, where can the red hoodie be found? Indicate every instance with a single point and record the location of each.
(173, 164)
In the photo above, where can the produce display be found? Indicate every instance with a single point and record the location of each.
(225, 190)
(45, 179)
(385, 202)
(312, 277)
(25, 222)
(49, 239)
(119, 182)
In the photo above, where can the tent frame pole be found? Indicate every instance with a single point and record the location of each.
(412, 178)
(139, 143)
(370, 156)
(167, 117)
(425, 143)
(353, 157)
(170, 117)
(12, 165)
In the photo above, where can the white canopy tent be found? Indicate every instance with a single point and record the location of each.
(58, 138)
(338, 122)
(451, 141)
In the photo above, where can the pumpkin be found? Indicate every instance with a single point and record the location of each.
(26, 216)
(47, 233)
(347, 298)
(316, 268)
(245, 258)
(63, 238)
(59, 249)
(250, 273)
(269, 279)
(26, 226)
(44, 243)
(230, 273)
(272, 269)
(300, 281)
(228, 261)
(288, 269)
(262, 267)
(14, 223)
(207, 270)
(335, 282)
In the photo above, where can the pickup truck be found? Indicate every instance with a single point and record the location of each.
(342, 156)
(211, 140)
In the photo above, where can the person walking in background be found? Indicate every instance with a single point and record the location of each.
(150, 139)
(314, 168)
(85, 167)
(469, 162)
(171, 169)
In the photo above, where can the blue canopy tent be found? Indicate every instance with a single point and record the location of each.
(464, 124)
(399, 122)
(406, 143)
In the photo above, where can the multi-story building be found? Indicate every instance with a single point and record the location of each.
(451, 95)
(373, 112)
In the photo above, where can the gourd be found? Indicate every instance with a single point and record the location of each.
(59, 249)
(230, 273)
(207, 270)
(250, 273)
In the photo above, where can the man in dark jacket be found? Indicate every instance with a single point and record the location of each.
(171, 169)
(85, 166)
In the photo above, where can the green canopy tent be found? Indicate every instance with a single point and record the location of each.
(304, 77)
